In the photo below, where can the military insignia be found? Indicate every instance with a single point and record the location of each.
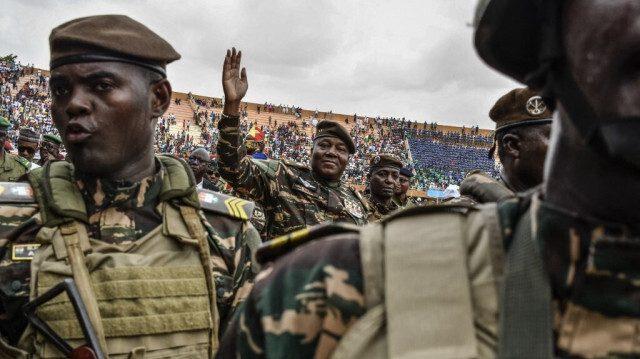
(535, 106)
(376, 159)
(307, 184)
(353, 208)
(235, 207)
(20, 191)
(24, 252)
(208, 197)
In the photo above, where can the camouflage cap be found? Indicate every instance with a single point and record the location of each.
(328, 128)
(385, 161)
(519, 107)
(4, 124)
(109, 38)
(52, 138)
(29, 135)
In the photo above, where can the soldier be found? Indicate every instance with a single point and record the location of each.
(11, 167)
(565, 284)
(384, 171)
(293, 195)
(157, 269)
(523, 125)
(28, 145)
(49, 148)
(400, 197)
(199, 163)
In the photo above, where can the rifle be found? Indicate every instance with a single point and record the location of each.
(91, 350)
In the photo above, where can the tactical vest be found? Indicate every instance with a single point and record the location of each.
(431, 285)
(155, 296)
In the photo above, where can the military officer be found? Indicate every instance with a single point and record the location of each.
(158, 265)
(11, 167)
(384, 172)
(523, 126)
(557, 263)
(400, 197)
(49, 148)
(293, 195)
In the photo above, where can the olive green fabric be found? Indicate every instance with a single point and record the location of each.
(12, 167)
(155, 296)
(454, 249)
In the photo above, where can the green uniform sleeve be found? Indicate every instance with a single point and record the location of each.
(19, 224)
(301, 305)
(232, 243)
(247, 177)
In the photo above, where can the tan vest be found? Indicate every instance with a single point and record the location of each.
(155, 296)
(431, 285)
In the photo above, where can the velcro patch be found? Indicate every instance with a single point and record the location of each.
(24, 252)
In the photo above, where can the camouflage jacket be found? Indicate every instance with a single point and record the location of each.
(377, 210)
(408, 202)
(12, 167)
(304, 302)
(291, 195)
(119, 212)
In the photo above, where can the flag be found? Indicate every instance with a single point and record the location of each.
(256, 133)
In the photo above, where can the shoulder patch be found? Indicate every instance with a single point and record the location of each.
(230, 206)
(274, 248)
(24, 162)
(16, 192)
(295, 164)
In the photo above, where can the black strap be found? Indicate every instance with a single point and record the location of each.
(525, 316)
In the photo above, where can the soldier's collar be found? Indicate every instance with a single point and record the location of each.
(104, 192)
(332, 184)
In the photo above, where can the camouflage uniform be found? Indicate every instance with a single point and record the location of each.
(12, 167)
(304, 302)
(259, 217)
(119, 213)
(290, 193)
(377, 210)
(408, 203)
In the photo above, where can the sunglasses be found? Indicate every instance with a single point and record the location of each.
(31, 150)
(195, 160)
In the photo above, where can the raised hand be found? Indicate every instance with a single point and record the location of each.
(234, 81)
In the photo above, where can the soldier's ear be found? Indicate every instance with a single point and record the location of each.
(512, 145)
(160, 97)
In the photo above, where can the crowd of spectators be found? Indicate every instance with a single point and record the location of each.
(26, 99)
(437, 158)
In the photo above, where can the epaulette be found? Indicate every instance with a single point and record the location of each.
(23, 161)
(295, 164)
(16, 192)
(276, 247)
(226, 205)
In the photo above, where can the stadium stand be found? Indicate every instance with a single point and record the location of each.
(438, 155)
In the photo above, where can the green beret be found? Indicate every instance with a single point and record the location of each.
(109, 38)
(4, 124)
(328, 128)
(52, 138)
(29, 135)
(519, 107)
(385, 161)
